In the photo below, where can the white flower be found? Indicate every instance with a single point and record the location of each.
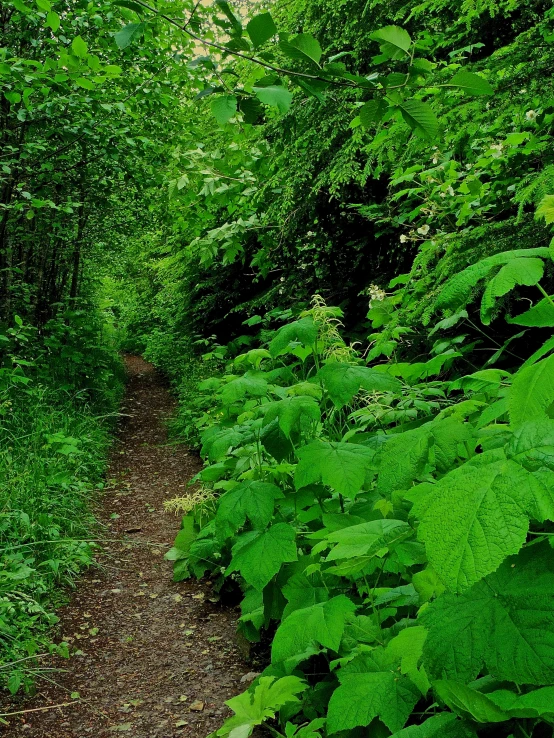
(497, 147)
(282, 279)
(442, 194)
(403, 238)
(522, 92)
(531, 115)
(451, 191)
(435, 160)
(376, 293)
(469, 166)
(423, 230)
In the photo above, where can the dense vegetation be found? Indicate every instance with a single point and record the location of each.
(334, 215)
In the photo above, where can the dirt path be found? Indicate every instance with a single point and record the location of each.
(155, 659)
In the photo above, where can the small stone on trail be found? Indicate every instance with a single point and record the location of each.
(197, 706)
(250, 676)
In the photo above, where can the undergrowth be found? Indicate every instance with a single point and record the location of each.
(54, 438)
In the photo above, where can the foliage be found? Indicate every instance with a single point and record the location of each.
(52, 461)
(405, 562)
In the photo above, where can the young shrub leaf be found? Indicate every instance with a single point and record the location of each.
(259, 556)
(303, 47)
(370, 688)
(275, 96)
(342, 466)
(321, 624)
(261, 28)
(532, 392)
(129, 33)
(224, 108)
(395, 42)
(343, 381)
(471, 83)
(468, 702)
(420, 117)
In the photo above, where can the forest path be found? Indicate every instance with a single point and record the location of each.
(157, 658)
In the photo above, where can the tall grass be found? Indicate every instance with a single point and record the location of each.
(53, 448)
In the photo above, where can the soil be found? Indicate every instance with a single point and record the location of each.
(152, 658)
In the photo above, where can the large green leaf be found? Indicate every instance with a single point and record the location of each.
(372, 112)
(475, 517)
(471, 83)
(253, 500)
(303, 47)
(275, 96)
(540, 315)
(468, 702)
(128, 33)
(259, 556)
(291, 411)
(523, 271)
(403, 459)
(261, 28)
(457, 291)
(252, 383)
(343, 381)
(532, 392)
(366, 539)
(302, 591)
(370, 688)
(303, 331)
(321, 624)
(504, 624)
(443, 725)
(420, 117)
(534, 704)
(223, 108)
(342, 466)
(395, 42)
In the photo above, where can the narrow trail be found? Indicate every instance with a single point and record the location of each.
(156, 659)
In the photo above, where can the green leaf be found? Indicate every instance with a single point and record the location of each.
(372, 112)
(532, 392)
(259, 556)
(370, 689)
(275, 96)
(522, 271)
(457, 290)
(420, 117)
(85, 83)
(253, 500)
(342, 466)
(343, 381)
(540, 315)
(503, 623)
(79, 47)
(291, 411)
(261, 28)
(224, 108)
(546, 209)
(254, 707)
(538, 703)
(251, 384)
(53, 21)
(321, 624)
(395, 41)
(303, 331)
(128, 34)
(403, 459)
(303, 47)
(443, 725)
(366, 539)
(468, 702)
(475, 517)
(471, 83)
(235, 22)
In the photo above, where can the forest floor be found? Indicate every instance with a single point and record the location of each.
(155, 659)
